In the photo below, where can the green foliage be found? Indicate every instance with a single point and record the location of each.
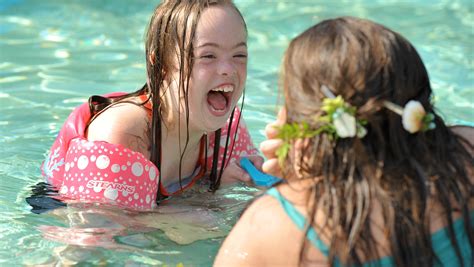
(291, 132)
(333, 108)
(333, 105)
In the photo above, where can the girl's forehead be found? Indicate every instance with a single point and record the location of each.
(220, 24)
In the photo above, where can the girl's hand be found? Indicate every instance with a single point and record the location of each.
(234, 173)
(271, 145)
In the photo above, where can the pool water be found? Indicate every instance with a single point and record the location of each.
(54, 54)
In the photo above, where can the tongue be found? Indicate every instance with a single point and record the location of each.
(217, 100)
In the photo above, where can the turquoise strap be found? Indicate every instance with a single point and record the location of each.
(312, 236)
(299, 220)
(445, 251)
(440, 240)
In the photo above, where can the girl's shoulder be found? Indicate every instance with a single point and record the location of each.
(465, 132)
(126, 124)
(266, 235)
(255, 237)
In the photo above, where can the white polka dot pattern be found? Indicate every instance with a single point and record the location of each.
(137, 169)
(102, 162)
(105, 175)
(82, 162)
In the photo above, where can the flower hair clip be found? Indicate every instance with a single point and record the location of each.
(414, 116)
(339, 121)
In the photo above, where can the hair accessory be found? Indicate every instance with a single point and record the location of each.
(338, 122)
(414, 116)
(340, 117)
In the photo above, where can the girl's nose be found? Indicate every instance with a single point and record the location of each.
(226, 68)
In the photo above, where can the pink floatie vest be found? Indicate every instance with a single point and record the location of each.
(98, 171)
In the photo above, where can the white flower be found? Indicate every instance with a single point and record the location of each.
(412, 117)
(345, 125)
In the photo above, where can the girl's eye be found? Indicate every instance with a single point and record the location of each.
(207, 56)
(241, 56)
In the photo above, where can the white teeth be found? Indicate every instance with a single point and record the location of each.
(225, 89)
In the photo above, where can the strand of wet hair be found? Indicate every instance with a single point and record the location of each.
(213, 174)
(237, 128)
(189, 60)
(156, 155)
(156, 127)
(231, 119)
(181, 87)
(205, 152)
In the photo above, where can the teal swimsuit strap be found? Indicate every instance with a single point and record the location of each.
(438, 238)
(299, 220)
(458, 226)
(313, 237)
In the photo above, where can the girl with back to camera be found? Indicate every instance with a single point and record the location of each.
(373, 176)
(135, 149)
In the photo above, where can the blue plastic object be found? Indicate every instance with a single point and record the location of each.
(258, 177)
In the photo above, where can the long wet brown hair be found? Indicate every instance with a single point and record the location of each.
(169, 48)
(404, 173)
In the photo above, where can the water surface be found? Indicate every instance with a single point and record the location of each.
(54, 54)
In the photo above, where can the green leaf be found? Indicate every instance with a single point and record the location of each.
(282, 153)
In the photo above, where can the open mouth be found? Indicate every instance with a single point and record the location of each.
(219, 98)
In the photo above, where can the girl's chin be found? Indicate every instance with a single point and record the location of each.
(213, 123)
